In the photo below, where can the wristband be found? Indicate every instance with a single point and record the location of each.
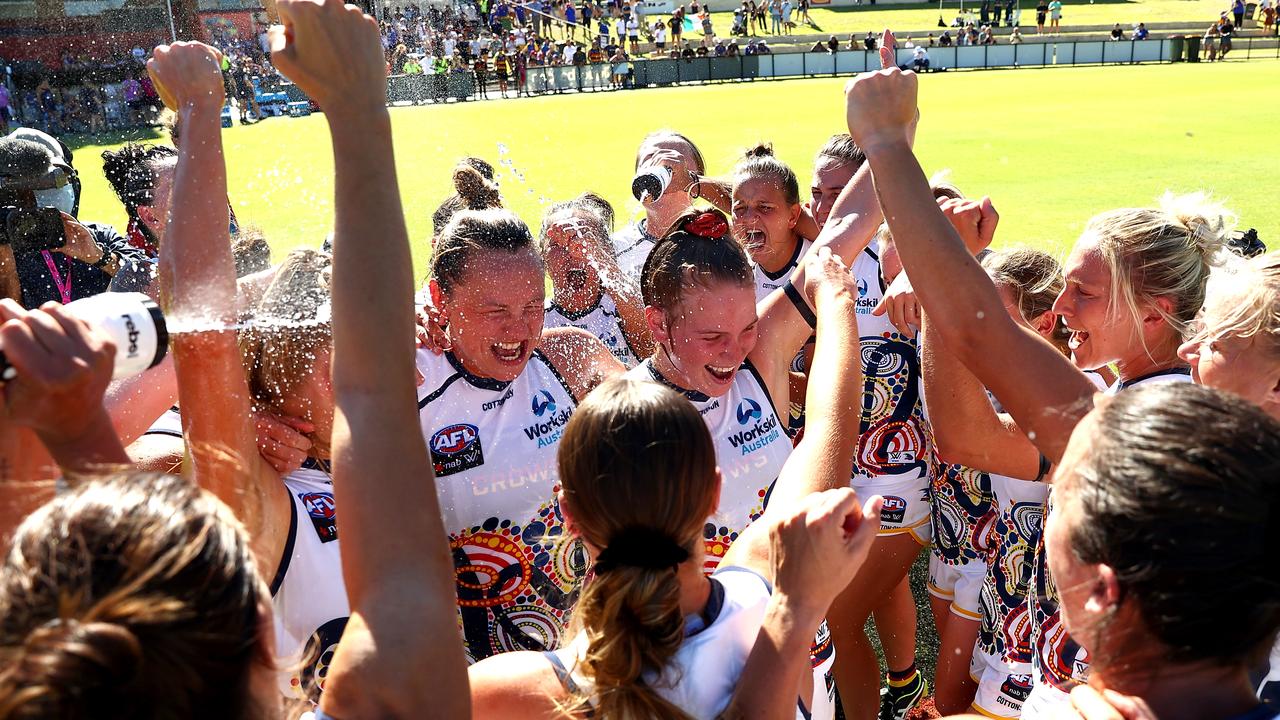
(802, 306)
(102, 262)
(1045, 466)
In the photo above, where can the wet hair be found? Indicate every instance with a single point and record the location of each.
(1035, 279)
(598, 211)
(292, 326)
(1255, 305)
(471, 231)
(760, 163)
(250, 251)
(1180, 495)
(841, 148)
(681, 260)
(132, 171)
(1166, 252)
(474, 190)
(131, 596)
(635, 455)
(700, 165)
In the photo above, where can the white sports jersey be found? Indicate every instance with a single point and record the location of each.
(601, 320)
(170, 423)
(702, 676)
(767, 282)
(631, 246)
(751, 448)
(493, 445)
(1059, 661)
(308, 594)
(893, 433)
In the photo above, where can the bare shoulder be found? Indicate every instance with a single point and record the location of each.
(516, 685)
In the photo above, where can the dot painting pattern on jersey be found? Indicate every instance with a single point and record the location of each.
(1006, 622)
(892, 429)
(516, 583)
(963, 514)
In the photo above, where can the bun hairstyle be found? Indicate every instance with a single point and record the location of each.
(1166, 252)
(1180, 495)
(638, 470)
(134, 596)
(759, 162)
(1035, 279)
(698, 250)
(474, 189)
(842, 149)
(471, 231)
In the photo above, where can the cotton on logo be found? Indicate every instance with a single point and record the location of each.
(453, 439)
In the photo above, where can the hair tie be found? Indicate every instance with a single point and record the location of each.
(707, 225)
(641, 547)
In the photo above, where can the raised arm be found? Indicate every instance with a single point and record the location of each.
(400, 655)
(198, 285)
(966, 428)
(1042, 390)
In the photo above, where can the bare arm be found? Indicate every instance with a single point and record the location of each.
(966, 428)
(197, 281)
(580, 358)
(1043, 391)
(403, 628)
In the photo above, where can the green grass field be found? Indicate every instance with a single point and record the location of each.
(1050, 146)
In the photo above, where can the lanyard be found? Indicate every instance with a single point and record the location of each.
(64, 289)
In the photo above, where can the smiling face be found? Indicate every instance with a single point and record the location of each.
(762, 217)
(706, 336)
(1099, 335)
(1220, 357)
(830, 175)
(495, 314)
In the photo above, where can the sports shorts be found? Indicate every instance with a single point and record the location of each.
(906, 505)
(959, 584)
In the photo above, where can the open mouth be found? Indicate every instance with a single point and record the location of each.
(722, 375)
(508, 353)
(1078, 338)
(753, 238)
(576, 275)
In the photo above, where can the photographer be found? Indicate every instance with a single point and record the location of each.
(46, 256)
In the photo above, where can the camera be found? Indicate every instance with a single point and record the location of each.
(28, 229)
(132, 320)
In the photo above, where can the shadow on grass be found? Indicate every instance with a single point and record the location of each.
(76, 141)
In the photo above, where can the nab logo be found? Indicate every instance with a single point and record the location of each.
(862, 287)
(748, 410)
(543, 403)
(453, 439)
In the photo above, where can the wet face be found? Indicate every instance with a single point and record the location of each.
(762, 217)
(830, 175)
(156, 215)
(676, 197)
(566, 255)
(312, 400)
(1098, 335)
(1226, 361)
(708, 335)
(494, 314)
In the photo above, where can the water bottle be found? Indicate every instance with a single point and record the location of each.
(649, 184)
(134, 323)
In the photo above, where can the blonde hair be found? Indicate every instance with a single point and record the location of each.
(635, 456)
(290, 327)
(1035, 279)
(1255, 312)
(1166, 252)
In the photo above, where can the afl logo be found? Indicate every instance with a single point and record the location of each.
(543, 403)
(319, 505)
(453, 439)
(748, 410)
(893, 510)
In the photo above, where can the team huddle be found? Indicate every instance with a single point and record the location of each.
(678, 482)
